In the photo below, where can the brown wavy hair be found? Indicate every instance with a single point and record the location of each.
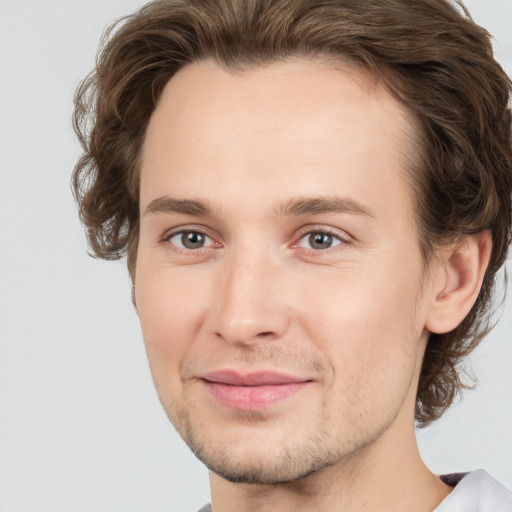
(428, 53)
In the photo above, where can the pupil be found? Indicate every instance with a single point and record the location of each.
(320, 240)
(192, 240)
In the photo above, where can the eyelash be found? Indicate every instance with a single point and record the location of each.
(168, 237)
(342, 242)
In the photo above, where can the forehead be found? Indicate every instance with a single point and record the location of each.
(295, 128)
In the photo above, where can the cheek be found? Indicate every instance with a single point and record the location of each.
(366, 326)
(171, 307)
(367, 305)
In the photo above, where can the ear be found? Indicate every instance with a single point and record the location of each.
(459, 282)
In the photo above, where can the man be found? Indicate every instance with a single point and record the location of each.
(314, 198)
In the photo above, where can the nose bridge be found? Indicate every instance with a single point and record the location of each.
(251, 304)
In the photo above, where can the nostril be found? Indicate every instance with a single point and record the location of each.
(233, 338)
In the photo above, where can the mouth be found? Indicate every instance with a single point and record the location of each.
(252, 391)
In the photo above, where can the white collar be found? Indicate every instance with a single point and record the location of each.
(477, 492)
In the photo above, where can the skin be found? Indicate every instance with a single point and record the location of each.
(272, 158)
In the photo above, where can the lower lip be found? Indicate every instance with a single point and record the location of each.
(253, 398)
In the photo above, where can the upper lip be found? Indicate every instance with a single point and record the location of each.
(259, 378)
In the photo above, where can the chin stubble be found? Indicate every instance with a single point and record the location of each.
(288, 463)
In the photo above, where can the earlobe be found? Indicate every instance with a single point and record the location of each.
(459, 285)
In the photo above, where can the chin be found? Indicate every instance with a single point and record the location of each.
(253, 466)
(257, 459)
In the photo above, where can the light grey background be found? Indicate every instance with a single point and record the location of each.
(80, 425)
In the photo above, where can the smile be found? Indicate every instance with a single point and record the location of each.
(253, 391)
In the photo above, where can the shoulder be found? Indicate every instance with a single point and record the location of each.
(206, 508)
(475, 492)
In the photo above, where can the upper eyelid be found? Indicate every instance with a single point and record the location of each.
(172, 234)
(335, 232)
(186, 228)
(322, 232)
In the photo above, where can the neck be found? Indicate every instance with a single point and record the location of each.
(386, 476)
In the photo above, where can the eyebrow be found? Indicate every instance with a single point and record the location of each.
(297, 206)
(317, 205)
(166, 204)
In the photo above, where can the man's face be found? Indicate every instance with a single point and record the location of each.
(279, 281)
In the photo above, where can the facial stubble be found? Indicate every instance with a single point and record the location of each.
(286, 462)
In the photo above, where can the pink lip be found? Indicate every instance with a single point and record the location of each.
(252, 391)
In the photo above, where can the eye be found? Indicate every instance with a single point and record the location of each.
(319, 240)
(190, 240)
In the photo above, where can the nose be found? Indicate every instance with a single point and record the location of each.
(251, 305)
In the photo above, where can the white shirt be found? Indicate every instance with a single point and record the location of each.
(477, 492)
